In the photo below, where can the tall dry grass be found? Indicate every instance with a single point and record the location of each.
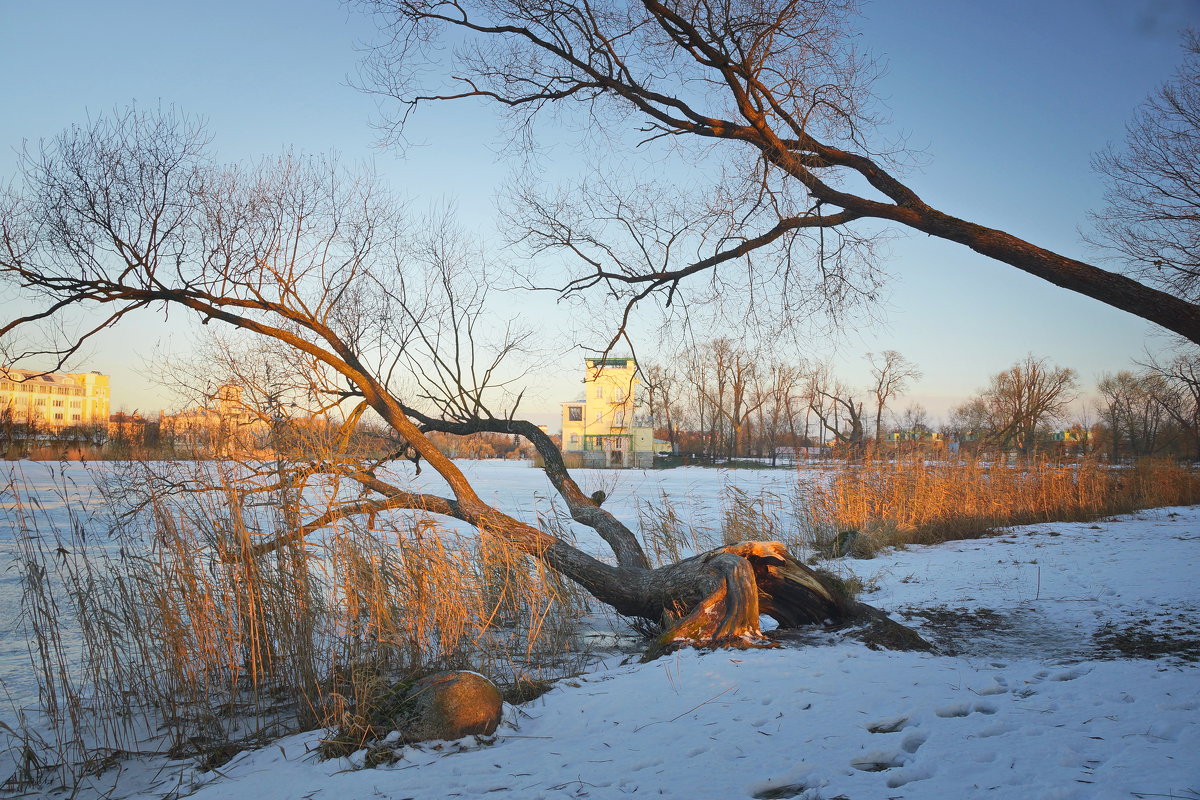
(864, 507)
(668, 534)
(163, 637)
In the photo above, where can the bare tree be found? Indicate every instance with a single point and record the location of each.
(915, 419)
(1133, 413)
(837, 410)
(740, 374)
(972, 421)
(1019, 400)
(892, 374)
(708, 381)
(662, 387)
(1175, 385)
(1151, 218)
(130, 213)
(776, 392)
(774, 95)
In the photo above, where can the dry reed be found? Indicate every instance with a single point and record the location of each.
(166, 638)
(668, 536)
(864, 507)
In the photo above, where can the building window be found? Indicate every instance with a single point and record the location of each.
(575, 413)
(574, 438)
(599, 392)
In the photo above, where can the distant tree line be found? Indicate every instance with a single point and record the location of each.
(722, 400)
(725, 400)
(1152, 411)
(132, 436)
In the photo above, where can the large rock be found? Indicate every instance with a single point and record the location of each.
(450, 705)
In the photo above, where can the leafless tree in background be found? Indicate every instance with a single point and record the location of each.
(838, 411)
(915, 418)
(1018, 402)
(892, 373)
(662, 387)
(778, 391)
(1132, 414)
(1175, 385)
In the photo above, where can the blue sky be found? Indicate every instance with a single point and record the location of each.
(1007, 102)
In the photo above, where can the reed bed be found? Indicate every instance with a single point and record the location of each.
(166, 638)
(864, 507)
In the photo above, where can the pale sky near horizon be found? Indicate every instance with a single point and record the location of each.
(1006, 101)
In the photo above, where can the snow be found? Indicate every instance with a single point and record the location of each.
(724, 725)
(1024, 702)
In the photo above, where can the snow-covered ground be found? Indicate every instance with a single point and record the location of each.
(1036, 694)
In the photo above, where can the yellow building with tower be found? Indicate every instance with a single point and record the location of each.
(54, 400)
(608, 427)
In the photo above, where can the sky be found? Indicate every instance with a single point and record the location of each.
(1006, 102)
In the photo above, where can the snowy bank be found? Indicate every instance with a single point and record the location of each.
(1039, 699)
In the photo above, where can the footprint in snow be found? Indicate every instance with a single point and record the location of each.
(913, 741)
(908, 775)
(889, 725)
(953, 710)
(993, 730)
(878, 760)
(963, 709)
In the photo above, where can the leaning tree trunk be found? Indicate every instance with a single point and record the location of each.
(714, 599)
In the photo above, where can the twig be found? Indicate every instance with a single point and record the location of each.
(685, 713)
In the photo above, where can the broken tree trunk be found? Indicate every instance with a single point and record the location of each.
(715, 600)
